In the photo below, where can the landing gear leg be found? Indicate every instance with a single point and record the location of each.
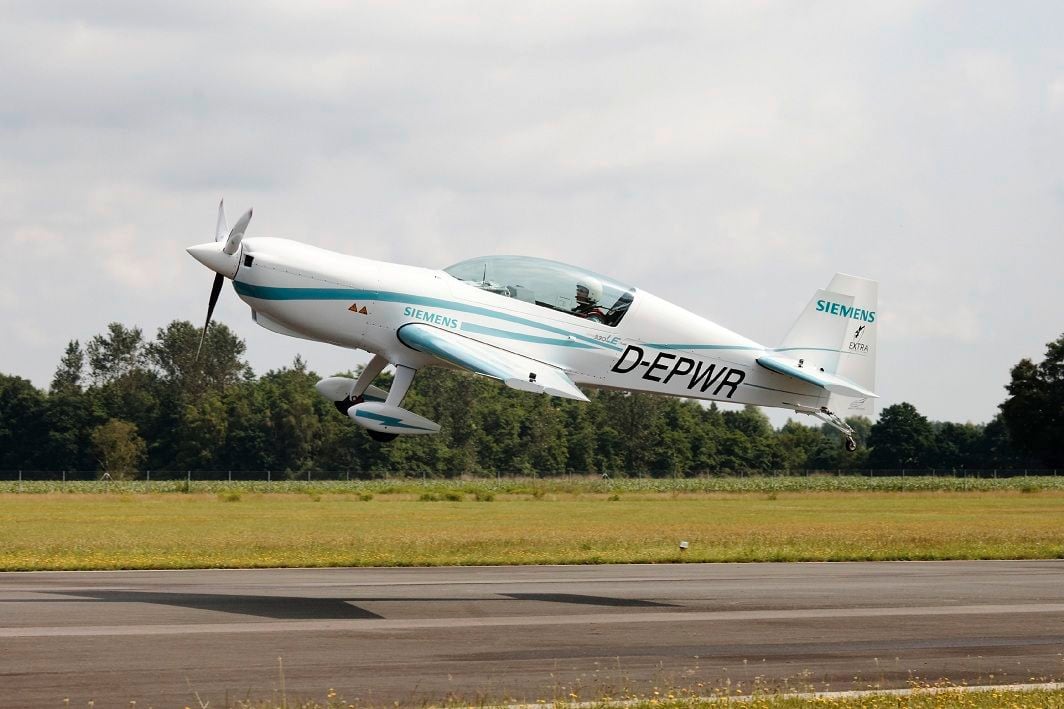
(831, 419)
(404, 377)
(373, 368)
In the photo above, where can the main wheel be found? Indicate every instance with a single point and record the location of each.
(382, 437)
(851, 445)
(345, 405)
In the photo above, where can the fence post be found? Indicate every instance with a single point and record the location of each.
(308, 475)
(148, 474)
(269, 476)
(230, 476)
(20, 481)
(188, 479)
(64, 476)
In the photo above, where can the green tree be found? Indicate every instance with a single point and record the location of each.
(68, 416)
(1034, 411)
(295, 411)
(115, 355)
(751, 443)
(22, 424)
(119, 449)
(631, 423)
(706, 439)
(123, 387)
(902, 438)
(220, 365)
(996, 447)
(801, 445)
(68, 375)
(957, 445)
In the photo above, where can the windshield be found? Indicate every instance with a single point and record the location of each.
(549, 284)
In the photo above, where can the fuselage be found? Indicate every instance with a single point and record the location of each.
(304, 291)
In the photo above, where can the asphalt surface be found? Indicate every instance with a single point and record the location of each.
(417, 636)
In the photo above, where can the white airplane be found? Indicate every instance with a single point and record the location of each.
(539, 326)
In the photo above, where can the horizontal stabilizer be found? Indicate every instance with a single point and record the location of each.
(516, 371)
(813, 375)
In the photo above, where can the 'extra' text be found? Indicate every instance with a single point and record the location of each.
(664, 367)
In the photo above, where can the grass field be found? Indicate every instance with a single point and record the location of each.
(990, 699)
(439, 524)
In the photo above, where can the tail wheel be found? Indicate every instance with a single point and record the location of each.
(381, 437)
(851, 445)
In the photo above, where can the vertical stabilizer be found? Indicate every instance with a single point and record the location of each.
(836, 334)
(815, 336)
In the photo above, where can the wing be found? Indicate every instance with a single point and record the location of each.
(516, 371)
(813, 375)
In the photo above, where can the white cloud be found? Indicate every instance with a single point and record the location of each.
(729, 156)
(1055, 94)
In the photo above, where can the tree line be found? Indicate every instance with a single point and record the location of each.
(123, 403)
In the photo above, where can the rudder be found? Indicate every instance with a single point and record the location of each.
(857, 360)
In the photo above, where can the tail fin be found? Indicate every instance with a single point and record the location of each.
(837, 333)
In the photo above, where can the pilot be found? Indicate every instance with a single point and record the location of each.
(588, 295)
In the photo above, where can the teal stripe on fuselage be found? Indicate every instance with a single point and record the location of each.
(666, 346)
(276, 293)
(493, 332)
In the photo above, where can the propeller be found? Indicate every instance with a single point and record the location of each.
(222, 227)
(232, 244)
(215, 290)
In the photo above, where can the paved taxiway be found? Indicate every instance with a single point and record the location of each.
(525, 633)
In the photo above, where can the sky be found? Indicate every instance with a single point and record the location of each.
(727, 156)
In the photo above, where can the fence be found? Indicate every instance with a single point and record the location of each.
(342, 475)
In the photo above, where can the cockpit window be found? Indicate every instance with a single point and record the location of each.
(549, 284)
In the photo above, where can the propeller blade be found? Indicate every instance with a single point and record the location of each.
(215, 290)
(223, 227)
(233, 242)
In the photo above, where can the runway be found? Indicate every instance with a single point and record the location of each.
(416, 636)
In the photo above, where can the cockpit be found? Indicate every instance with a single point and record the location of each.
(548, 284)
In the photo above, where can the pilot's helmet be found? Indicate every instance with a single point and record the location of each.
(588, 290)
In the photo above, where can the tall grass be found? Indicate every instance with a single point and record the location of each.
(423, 525)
